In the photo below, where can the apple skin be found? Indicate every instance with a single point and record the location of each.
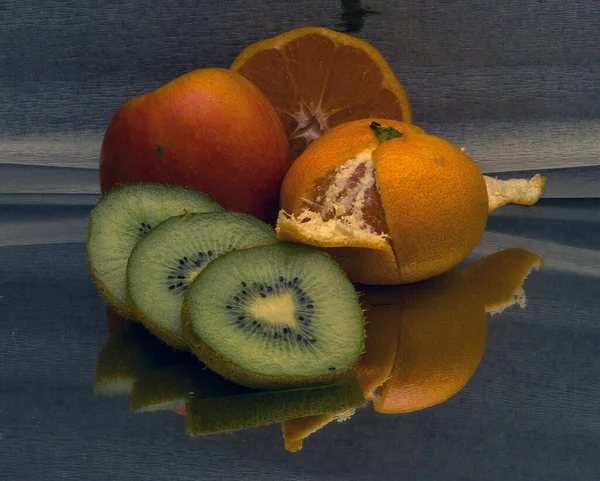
(210, 129)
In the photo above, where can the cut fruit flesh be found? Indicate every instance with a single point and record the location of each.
(121, 218)
(318, 78)
(274, 316)
(231, 413)
(166, 262)
(344, 210)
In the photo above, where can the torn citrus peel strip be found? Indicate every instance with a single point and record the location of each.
(514, 191)
(500, 277)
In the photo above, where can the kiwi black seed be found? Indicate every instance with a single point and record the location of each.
(275, 316)
(124, 216)
(164, 264)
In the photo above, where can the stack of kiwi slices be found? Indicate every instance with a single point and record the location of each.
(261, 313)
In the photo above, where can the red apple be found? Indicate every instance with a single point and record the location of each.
(210, 129)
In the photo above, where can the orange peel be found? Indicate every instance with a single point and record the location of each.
(500, 277)
(514, 191)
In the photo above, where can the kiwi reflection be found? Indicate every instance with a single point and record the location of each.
(424, 342)
(133, 362)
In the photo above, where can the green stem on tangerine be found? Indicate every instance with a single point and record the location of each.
(384, 133)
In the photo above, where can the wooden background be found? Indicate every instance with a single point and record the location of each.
(515, 82)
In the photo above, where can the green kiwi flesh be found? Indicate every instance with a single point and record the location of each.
(172, 387)
(231, 413)
(167, 260)
(124, 216)
(125, 357)
(275, 316)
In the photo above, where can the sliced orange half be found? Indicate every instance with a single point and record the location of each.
(317, 78)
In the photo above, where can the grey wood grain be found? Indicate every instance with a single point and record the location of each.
(516, 82)
(27, 179)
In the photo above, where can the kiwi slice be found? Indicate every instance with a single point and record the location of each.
(275, 316)
(124, 216)
(125, 357)
(167, 260)
(231, 413)
(173, 386)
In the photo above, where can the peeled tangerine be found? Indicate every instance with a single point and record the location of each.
(390, 203)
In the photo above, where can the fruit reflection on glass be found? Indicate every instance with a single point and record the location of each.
(183, 243)
(158, 378)
(425, 341)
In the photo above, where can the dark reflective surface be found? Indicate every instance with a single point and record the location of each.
(528, 412)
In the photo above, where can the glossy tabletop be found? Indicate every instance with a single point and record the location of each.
(528, 412)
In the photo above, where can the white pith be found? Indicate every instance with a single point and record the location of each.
(348, 222)
(311, 123)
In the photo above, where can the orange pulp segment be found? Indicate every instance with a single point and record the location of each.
(318, 78)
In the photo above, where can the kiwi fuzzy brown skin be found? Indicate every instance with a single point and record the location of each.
(123, 310)
(244, 377)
